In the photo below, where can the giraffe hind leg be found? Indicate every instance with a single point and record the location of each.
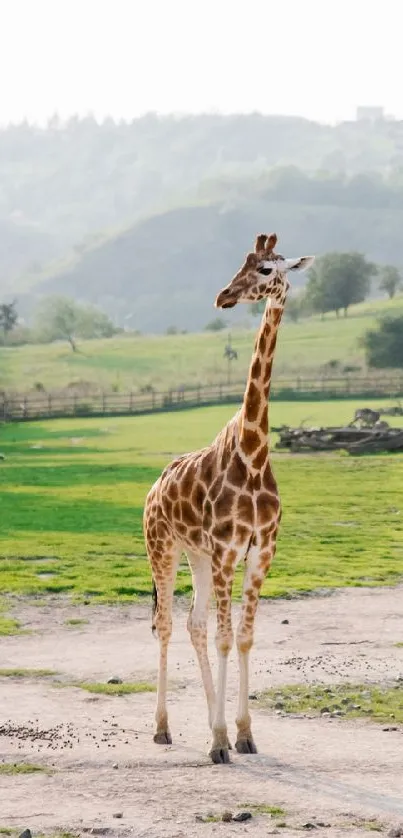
(197, 623)
(164, 565)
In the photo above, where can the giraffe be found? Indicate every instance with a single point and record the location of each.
(221, 506)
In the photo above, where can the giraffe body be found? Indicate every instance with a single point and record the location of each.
(221, 506)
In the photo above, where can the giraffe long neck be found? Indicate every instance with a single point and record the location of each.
(254, 418)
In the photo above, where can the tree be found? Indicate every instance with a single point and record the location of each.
(294, 308)
(338, 280)
(384, 345)
(94, 323)
(60, 318)
(215, 325)
(390, 280)
(8, 317)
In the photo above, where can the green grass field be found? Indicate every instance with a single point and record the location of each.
(71, 514)
(168, 361)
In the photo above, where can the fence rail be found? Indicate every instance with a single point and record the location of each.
(25, 406)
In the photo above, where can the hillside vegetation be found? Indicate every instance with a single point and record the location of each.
(167, 269)
(169, 361)
(149, 219)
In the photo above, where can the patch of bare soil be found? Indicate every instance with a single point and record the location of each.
(330, 776)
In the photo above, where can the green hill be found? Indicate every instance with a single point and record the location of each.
(190, 192)
(167, 269)
(129, 363)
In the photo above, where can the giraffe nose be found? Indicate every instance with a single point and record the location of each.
(224, 299)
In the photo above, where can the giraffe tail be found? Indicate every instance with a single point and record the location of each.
(154, 608)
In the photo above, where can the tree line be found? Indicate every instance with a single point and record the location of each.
(335, 282)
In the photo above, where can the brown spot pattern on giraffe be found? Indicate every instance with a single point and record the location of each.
(207, 515)
(268, 479)
(250, 441)
(216, 487)
(261, 457)
(223, 530)
(189, 516)
(237, 472)
(207, 468)
(245, 508)
(252, 405)
(198, 496)
(256, 368)
(264, 423)
(224, 503)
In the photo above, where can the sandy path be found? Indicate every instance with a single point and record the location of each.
(327, 770)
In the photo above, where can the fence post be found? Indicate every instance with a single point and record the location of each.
(49, 404)
(131, 402)
(103, 401)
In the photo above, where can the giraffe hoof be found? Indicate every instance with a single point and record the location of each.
(246, 746)
(220, 756)
(162, 738)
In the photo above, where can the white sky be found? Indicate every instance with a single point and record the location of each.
(314, 58)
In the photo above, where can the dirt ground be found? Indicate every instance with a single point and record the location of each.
(331, 772)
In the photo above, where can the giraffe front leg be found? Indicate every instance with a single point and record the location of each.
(220, 747)
(257, 566)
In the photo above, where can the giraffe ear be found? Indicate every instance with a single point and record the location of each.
(301, 264)
(260, 243)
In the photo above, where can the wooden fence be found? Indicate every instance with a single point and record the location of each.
(41, 405)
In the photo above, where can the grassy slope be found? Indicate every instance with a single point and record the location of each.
(72, 514)
(167, 361)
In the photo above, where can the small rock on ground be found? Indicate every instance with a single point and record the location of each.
(242, 816)
(26, 834)
(114, 679)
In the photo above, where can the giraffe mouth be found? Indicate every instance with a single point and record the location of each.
(225, 300)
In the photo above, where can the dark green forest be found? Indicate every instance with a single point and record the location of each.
(148, 219)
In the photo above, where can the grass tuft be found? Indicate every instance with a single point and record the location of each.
(116, 689)
(22, 768)
(378, 703)
(9, 626)
(27, 673)
(264, 809)
(76, 621)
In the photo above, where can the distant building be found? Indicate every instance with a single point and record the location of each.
(369, 114)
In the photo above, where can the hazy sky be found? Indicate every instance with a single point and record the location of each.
(315, 58)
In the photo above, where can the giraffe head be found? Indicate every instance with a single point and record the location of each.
(263, 275)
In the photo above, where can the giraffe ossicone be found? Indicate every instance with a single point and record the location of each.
(221, 506)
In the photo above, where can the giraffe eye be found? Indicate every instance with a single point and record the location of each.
(265, 271)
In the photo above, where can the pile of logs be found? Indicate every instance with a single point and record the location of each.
(369, 437)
